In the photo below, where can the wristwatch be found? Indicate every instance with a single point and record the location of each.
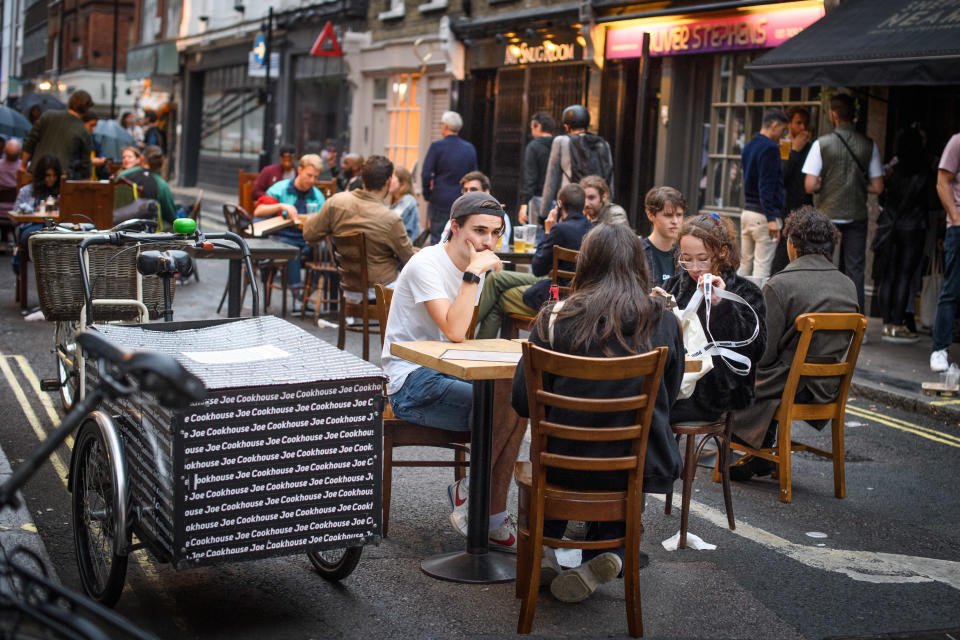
(470, 276)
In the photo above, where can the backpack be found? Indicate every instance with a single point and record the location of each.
(589, 156)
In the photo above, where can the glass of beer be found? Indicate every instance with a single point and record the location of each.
(519, 238)
(785, 147)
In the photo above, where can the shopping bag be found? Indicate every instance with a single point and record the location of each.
(930, 291)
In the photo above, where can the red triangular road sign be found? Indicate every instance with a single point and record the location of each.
(329, 38)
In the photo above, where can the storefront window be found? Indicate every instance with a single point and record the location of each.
(736, 114)
(403, 112)
(232, 116)
(319, 98)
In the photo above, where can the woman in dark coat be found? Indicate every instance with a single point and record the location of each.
(607, 314)
(708, 249)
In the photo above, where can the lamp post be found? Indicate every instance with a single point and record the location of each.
(113, 73)
(267, 150)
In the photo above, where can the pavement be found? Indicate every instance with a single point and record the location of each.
(886, 374)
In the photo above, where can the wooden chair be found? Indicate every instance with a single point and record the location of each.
(114, 167)
(245, 189)
(351, 249)
(327, 187)
(238, 222)
(789, 410)
(24, 177)
(540, 500)
(719, 432)
(321, 279)
(560, 254)
(400, 433)
(87, 201)
(7, 195)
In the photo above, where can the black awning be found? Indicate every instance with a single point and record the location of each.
(868, 42)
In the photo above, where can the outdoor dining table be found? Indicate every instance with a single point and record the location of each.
(33, 216)
(476, 565)
(260, 249)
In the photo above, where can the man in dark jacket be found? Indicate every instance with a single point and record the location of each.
(448, 160)
(286, 169)
(62, 134)
(524, 293)
(760, 220)
(535, 159)
(809, 284)
(795, 194)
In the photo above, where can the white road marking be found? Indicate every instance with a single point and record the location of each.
(864, 566)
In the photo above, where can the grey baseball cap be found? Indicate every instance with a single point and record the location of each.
(476, 202)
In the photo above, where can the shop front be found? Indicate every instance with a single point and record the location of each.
(698, 112)
(513, 79)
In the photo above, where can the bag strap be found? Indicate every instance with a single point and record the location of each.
(552, 320)
(723, 348)
(853, 155)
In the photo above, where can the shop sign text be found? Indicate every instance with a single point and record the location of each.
(754, 31)
(539, 54)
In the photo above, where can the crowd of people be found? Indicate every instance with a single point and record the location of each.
(805, 202)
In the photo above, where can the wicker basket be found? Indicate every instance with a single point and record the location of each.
(113, 274)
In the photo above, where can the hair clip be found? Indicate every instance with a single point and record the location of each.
(715, 216)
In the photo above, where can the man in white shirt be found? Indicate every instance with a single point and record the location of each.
(434, 299)
(842, 167)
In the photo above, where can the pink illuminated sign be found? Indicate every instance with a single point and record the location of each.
(729, 33)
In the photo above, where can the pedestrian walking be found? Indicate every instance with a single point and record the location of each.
(842, 167)
(448, 160)
(948, 188)
(760, 220)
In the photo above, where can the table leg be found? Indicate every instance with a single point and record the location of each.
(476, 565)
(234, 302)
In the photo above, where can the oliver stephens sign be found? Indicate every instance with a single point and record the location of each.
(717, 32)
(284, 456)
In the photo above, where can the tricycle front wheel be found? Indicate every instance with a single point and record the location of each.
(335, 564)
(102, 571)
(68, 362)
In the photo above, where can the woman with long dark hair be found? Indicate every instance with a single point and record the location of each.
(607, 314)
(31, 197)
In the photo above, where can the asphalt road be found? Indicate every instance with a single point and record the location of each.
(885, 559)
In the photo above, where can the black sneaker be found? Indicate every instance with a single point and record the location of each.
(752, 467)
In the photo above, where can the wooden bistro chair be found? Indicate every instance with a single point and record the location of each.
(350, 254)
(539, 500)
(805, 364)
(400, 433)
(321, 279)
(719, 432)
(245, 182)
(560, 254)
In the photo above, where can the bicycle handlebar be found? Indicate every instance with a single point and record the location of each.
(119, 237)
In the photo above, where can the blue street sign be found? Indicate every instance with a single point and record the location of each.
(259, 48)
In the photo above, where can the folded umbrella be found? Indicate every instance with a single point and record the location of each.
(112, 138)
(12, 124)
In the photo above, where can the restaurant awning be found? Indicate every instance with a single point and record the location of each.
(868, 42)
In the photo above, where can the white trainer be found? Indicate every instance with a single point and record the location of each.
(458, 494)
(939, 361)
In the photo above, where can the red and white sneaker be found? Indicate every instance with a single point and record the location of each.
(458, 494)
(504, 537)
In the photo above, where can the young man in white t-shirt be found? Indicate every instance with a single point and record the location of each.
(434, 299)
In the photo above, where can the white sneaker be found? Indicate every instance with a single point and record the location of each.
(939, 361)
(504, 537)
(576, 585)
(549, 566)
(457, 494)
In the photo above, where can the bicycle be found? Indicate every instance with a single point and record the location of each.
(34, 606)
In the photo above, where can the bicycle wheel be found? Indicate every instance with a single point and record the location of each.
(335, 564)
(68, 362)
(102, 571)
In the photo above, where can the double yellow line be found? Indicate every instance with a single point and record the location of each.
(902, 425)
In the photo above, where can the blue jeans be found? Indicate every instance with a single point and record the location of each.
(434, 399)
(949, 292)
(438, 220)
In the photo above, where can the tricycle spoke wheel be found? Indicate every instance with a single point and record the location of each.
(102, 571)
(335, 564)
